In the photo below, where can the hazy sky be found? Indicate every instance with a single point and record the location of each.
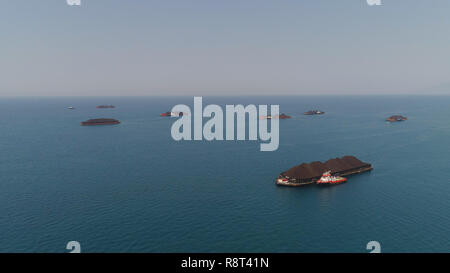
(220, 47)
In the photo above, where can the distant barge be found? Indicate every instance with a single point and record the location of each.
(105, 106)
(282, 116)
(396, 118)
(314, 112)
(306, 174)
(100, 121)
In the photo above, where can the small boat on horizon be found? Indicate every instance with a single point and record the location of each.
(396, 118)
(173, 114)
(105, 106)
(282, 116)
(314, 112)
(71, 108)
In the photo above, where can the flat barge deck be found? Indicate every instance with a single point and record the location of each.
(305, 174)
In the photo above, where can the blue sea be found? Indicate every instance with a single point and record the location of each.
(132, 188)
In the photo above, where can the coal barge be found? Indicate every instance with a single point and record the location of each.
(309, 173)
(105, 106)
(282, 116)
(314, 112)
(100, 121)
(396, 118)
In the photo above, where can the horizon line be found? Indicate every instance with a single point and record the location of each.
(224, 95)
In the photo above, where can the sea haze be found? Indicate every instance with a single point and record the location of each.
(131, 188)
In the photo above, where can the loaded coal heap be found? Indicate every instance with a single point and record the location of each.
(345, 165)
(100, 121)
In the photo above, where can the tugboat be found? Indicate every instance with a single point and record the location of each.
(283, 181)
(328, 179)
(172, 114)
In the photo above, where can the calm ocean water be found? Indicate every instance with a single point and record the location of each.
(131, 188)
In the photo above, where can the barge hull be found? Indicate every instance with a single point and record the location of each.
(102, 123)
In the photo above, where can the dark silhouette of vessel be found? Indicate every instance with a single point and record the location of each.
(105, 106)
(100, 121)
(172, 114)
(314, 112)
(396, 118)
(282, 116)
